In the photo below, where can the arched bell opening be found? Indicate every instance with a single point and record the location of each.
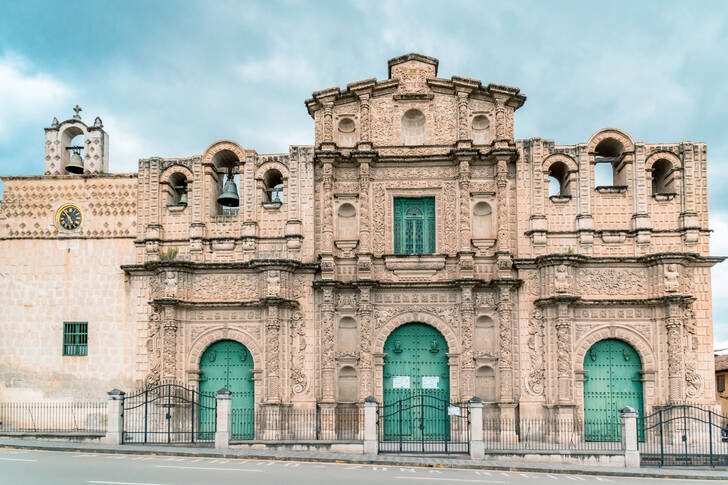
(663, 177)
(273, 187)
(177, 189)
(226, 164)
(612, 381)
(608, 167)
(73, 142)
(227, 364)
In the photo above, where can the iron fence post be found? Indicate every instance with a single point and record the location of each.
(115, 422)
(662, 442)
(710, 435)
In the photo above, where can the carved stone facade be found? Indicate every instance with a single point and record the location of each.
(521, 281)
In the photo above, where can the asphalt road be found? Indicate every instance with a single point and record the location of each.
(29, 467)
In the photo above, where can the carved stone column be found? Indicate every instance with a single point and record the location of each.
(327, 346)
(273, 355)
(675, 352)
(500, 120)
(364, 114)
(503, 243)
(365, 343)
(467, 318)
(505, 343)
(364, 231)
(564, 369)
(463, 115)
(328, 122)
(327, 230)
(169, 343)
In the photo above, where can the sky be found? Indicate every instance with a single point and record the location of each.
(170, 77)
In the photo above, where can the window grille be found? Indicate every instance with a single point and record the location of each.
(75, 338)
(414, 225)
(721, 383)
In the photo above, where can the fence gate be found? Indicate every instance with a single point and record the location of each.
(683, 435)
(169, 413)
(424, 424)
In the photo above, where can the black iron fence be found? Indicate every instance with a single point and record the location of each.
(684, 435)
(169, 413)
(551, 434)
(53, 417)
(289, 424)
(423, 424)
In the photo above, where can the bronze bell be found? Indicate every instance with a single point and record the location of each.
(229, 196)
(183, 198)
(182, 191)
(75, 165)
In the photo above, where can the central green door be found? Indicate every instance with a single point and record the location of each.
(416, 382)
(613, 381)
(228, 364)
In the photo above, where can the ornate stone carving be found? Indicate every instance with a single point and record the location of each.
(672, 278)
(561, 279)
(170, 284)
(272, 352)
(693, 380)
(612, 281)
(225, 287)
(299, 379)
(563, 352)
(154, 347)
(536, 352)
(485, 299)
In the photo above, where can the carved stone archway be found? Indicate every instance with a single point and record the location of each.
(207, 338)
(454, 349)
(638, 342)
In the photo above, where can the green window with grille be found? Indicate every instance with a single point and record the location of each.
(75, 338)
(414, 225)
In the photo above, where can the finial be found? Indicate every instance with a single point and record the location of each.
(98, 123)
(55, 123)
(77, 109)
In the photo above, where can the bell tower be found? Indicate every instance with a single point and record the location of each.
(64, 156)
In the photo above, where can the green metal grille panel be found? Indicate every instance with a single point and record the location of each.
(414, 351)
(414, 225)
(75, 338)
(228, 364)
(613, 381)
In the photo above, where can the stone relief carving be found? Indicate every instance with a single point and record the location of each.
(170, 284)
(693, 380)
(563, 345)
(561, 279)
(225, 287)
(612, 281)
(445, 313)
(536, 351)
(299, 379)
(153, 348)
(672, 278)
(485, 299)
(691, 329)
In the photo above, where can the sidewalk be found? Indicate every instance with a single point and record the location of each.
(384, 460)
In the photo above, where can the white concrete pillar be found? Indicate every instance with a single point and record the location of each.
(628, 417)
(223, 432)
(115, 421)
(477, 448)
(371, 446)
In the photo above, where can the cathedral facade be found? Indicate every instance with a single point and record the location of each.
(415, 247)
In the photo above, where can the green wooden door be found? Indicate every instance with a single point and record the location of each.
(613, 381)
(228, 364)
(415, 366)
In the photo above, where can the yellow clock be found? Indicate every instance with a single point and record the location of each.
(69, 217)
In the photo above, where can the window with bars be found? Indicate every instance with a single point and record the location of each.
(414, 225)
(721, 383)
(75, 338)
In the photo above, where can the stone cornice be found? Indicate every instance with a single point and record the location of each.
(456, 283)
(224, 304)
(577, 300)
(649, 259)
(91, 176)
(153, 266)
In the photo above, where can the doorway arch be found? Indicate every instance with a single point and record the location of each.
(613, 380)
(228, 364)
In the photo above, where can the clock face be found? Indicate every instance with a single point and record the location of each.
(69, 217)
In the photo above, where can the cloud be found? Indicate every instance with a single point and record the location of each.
(27, 96)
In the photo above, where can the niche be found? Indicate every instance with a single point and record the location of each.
(485, 384)
(482, 221)
(481, 130)
(484, 336)
(346, 338)
(413, 127)
(346, 222)
(347, 384)
(347, 130)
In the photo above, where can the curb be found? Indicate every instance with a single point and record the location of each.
(366, 461)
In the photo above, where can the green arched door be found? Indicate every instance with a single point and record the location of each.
(416, 375)
(228, 364)
(613, 381)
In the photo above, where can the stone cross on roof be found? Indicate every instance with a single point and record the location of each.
(77, 109)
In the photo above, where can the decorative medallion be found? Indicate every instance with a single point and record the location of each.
(69, 217)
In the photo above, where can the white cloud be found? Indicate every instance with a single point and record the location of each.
(280, 69)
(27, 96)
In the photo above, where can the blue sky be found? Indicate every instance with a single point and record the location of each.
(168, 78)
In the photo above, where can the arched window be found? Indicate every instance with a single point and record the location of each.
(608, 167)
(485, 384)
(482, 221)
(177, 189)
(559, 180)
(484, 336)
(347, 129)
(662, 177)
(273, 187)
(346, 223)
(73, 142)
(226, 164)
(413, 127)
(347, 384)
(346, 339)
(481, 130)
